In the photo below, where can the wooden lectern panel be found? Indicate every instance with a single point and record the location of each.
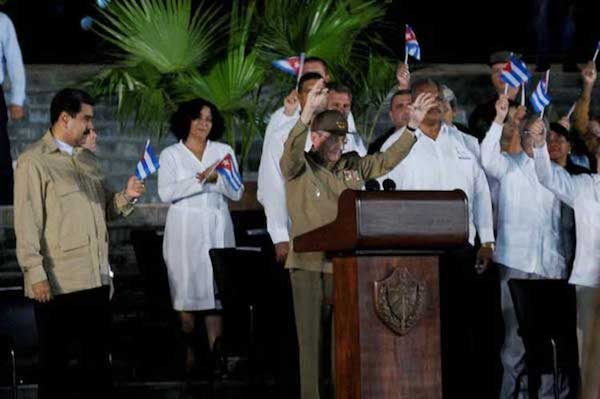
(372, 360)
(386, 303)
(414, 220)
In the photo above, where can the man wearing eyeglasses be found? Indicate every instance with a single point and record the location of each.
(314, 181)
(445, 158)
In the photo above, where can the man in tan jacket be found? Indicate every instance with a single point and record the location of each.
(314, 182)
(61, 205)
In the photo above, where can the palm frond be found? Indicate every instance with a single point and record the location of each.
(231, 81)
(163, 33)
(322, 28)
(141, 94)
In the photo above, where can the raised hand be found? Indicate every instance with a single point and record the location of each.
(589, 75)
(501, 109)
(419, 108)
(537, 130)
(315, 99)
(403, 76)
(290, 103)
(565, 122)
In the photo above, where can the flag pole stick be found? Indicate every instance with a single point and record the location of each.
(300, 70)
(571, 110)
(522, 94)
(405, 55)
(595, 55)
(505, 88)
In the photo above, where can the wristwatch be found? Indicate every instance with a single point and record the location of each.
(490, 245)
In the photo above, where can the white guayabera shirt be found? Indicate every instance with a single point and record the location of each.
(529, 218)
(448, 163)
(582, 192)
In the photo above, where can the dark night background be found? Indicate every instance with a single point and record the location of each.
(449, 31)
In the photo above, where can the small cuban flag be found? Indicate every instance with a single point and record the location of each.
(292, 65)
(515, 72)
(540, 98)
(412, 45)
(148, 164)
(228, 170)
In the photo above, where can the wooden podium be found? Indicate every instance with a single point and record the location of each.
(385, 248)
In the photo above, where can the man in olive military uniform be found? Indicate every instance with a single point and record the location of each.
(313, 182)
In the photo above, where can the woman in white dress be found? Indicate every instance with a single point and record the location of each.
(198, 218)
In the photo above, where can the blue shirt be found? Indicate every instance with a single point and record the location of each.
(12, 59)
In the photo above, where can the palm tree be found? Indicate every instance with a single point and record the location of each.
(233, 83)
(325, 28)
(169, 54)
(158, 40)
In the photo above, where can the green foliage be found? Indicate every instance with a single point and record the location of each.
(325, 28)
(170, 53)
(371, 87)
(231, 82)
(163, 33)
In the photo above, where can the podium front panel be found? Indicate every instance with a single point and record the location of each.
(372, 359)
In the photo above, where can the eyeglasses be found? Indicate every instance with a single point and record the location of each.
(335, 138)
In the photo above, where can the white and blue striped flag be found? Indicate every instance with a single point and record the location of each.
(411, 47)
(148, 164)
(540, 98)
(515, 72)
(228, 170)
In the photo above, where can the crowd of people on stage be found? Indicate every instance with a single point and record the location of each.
(532, 185)
(532, 199)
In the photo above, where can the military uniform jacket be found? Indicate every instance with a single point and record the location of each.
(312, 190)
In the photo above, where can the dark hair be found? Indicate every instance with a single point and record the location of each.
(339, 88)
(306, 77)
(563, 131)
(181, 120)
(397, 93)
(317, 59)
(425, 82)
(69, 101)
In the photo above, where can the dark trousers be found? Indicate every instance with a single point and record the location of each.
(6, 170)
(471, 327)
(281, 336)
(77, 322)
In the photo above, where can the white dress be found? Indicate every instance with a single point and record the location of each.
(198, 220)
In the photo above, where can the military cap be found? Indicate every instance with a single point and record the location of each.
(331, 121)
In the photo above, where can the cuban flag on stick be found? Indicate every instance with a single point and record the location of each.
(291, 65)
(540, 98)
(227, 169)
(515, 73)
(412, 45)
(148, 164)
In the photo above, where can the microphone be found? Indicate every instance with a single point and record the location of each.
(389, 185)
(372, 185)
